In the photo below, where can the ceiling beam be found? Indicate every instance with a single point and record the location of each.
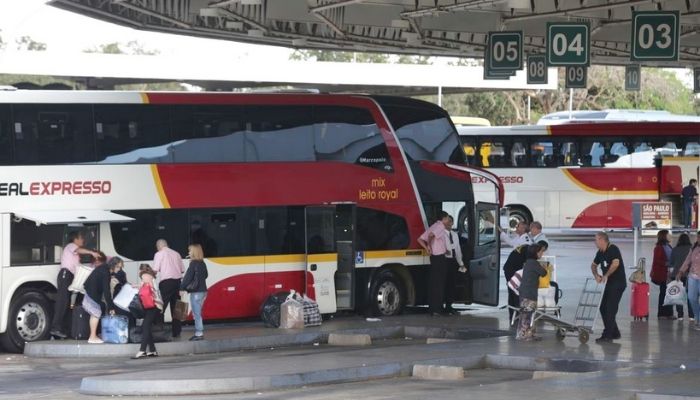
(331, 6)
(572, 11)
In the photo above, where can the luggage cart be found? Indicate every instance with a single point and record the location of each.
(584, 320)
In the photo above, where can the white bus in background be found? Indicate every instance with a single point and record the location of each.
(586, 175)
(566, 117)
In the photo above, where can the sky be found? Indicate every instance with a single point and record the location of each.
(67, 32)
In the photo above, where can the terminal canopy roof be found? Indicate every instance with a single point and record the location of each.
(425, 27)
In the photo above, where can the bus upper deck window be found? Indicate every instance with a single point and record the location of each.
(692, 149)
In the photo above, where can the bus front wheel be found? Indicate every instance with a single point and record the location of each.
(29, 320)
(388, 296)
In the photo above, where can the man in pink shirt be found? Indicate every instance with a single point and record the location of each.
(169, 266)
(70, 259)
(434, 241)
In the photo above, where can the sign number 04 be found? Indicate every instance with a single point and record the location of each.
(648, 38)
(505, 51)
(561, 47)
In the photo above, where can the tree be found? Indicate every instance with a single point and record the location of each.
(29, 44)
(339, 56)
(132, 47)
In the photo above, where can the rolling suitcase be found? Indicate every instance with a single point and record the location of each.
(639, 306)
(80, 324)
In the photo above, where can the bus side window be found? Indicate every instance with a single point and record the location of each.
(692, 149)
(132, 133)
(469, 146)
(518, 154)
(593, 153)
(568, 154)
(493, 154)
(278, 133)
(379, 230)
(5, 136)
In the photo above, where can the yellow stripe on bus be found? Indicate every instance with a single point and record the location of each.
(393, 253)
(328, 257)
(159, 186)
(311, 258)
(144, 98)
(243, 260)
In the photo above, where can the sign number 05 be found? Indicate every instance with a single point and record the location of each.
(661, 38)
(505, 51)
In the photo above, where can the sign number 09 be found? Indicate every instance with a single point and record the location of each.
(648, 38)
(576, 74)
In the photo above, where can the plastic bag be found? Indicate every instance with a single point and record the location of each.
(270, 309)
(82, 272)
(675, 294)
(312, 315)
(292, 313)
(639, 276)
(115, 329)
(546, 297)
(514, 282)
(125, 297)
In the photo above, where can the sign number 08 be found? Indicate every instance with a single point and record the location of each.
(537, 69)
(648, 38)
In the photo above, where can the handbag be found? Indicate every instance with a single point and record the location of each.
(81, 274)
(181, 310)
(639, 276)
(514, 282)
(136, 307)
(148, 299)
(193, 285)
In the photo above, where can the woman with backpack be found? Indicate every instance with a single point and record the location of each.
(659, 271)
(152, 306)
(195, 283)
(691, 266)
(678, 255)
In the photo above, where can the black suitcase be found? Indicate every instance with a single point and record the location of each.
(161, 333)
(80, 324)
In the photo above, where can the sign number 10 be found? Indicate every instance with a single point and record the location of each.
(661, 38)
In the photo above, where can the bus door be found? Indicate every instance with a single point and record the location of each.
(330, 255)
(484, 265)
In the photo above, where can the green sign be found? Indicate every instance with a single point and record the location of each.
(696, 80)
(655, 35)
(536, 70)
(633, 78)
(568, 43)
(576, 77)
(505, 51)
(490, 74)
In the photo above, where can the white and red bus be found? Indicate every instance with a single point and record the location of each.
(586, 175)
(324, 194)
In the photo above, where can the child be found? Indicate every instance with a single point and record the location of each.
(532, 271)
(153, 306)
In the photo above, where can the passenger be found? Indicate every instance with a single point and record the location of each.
(148, 291)
(532, 271)
(610, 261)
(169, 265)
(70, 259)
(97, 288)
(536, 234)
(691, 266)
(434, 241)
(455, 264)
(195, 283)
(689, 194)
(678, 255)
(660, 265)
(514, 263)
(518, 238)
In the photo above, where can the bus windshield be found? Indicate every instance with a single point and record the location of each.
(426, 133)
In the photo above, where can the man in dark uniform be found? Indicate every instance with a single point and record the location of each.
(610, 261)
(514, 263)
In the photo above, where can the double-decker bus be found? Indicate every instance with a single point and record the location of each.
(323, 194)
(588, 174)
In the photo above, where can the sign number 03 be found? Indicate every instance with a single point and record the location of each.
(561, 47)
(661, 38)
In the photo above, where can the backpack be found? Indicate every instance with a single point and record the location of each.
(148, 299)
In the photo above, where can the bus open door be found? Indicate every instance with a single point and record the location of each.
(330, 256)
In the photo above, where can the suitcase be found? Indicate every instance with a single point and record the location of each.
(115, 329)
(161, 333)
(639, 304)
(80, 324)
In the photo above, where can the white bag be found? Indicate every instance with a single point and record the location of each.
(545, 297)
(675, 294)
(81, 274)
(292, 313)
(125, 297)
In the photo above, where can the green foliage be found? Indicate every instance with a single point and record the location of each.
(29, 44)
(132, 47)
(339, 56)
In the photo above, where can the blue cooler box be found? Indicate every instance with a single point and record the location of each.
(115, 329)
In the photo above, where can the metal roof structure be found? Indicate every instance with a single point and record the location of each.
(427, 27)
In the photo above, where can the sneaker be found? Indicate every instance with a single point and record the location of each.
(196, 338)
(691, 319)
(603, 339)
(140, 354)
(681, 319)
(152, 354)
(58, 334)
(95, 341)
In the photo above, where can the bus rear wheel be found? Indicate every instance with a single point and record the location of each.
(29, 320)
(517, 215)
(387, 296)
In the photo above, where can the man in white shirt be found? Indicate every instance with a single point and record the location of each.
(455, 262)
(518, 238)
(536, 234)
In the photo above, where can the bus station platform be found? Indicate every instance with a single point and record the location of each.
(653, 360)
